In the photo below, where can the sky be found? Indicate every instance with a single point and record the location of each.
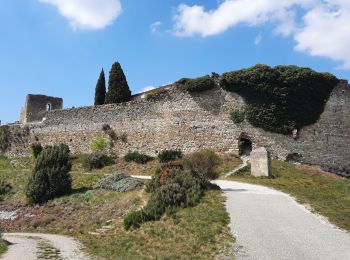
(58, 47)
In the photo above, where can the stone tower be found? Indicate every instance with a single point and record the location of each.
(37, 106)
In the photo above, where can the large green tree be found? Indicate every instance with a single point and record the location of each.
(118, 88)
(100, 92)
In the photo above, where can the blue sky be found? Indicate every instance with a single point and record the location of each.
(58, 47)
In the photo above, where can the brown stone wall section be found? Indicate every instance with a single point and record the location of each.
(180, 120)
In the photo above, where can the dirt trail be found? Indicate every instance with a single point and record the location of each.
(34, 246)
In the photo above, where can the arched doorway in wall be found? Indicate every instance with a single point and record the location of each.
(245, 145)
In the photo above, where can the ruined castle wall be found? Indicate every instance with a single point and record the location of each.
(180, 120)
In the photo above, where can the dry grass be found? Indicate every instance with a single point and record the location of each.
(326, 193)
(200, 232)
(194, 233)
(228, 163)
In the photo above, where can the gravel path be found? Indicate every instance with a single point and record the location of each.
(29, 246)
(269, 224)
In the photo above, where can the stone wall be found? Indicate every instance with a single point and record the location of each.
(174, 119)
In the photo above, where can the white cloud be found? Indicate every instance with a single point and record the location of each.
(155, 26)
(195, 20)
(323, 29)
(258, 39)
(326, 32)
(87, 14)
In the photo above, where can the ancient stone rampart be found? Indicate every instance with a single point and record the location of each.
(175, 119)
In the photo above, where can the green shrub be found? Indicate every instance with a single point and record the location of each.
(36, 149)
(137, 157)
(237, 116)
(154, 184)
(282, 98)
(169, 155)
(198, 84)
(202, 164)
(99, 144)
(97, 161)
(134, 219)
(4, 138)
(5, 188)
(50, 177)
(119, 182)
(180, 190)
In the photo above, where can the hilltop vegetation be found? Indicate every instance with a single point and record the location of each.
(282, 98)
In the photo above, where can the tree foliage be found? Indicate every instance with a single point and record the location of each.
(100, 91)
(198, 84)
(118, 88)
(50, 177)
(282, 98)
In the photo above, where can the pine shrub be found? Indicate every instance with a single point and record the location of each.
(138, 158)
(169, 155)
(50, 177)
(97, 161)
(36, 149)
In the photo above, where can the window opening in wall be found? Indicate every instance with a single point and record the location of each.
(48, 107)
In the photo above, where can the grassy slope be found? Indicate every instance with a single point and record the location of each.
(193, 233)
(198, 233)
(327, 194)
(3, 247)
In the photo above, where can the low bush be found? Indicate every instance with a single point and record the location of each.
(180, 190)
(155, 94)
(202, 164)
(119, 182)
(138, 158)
(97, 161)
(36, 149)
(50, 177)
(5, 188)
(169, 155)
(99, 144)
(237, 116)
(155, 183)
(198, 84)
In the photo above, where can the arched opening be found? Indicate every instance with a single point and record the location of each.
(245, 146)
(294, 158)
(48, 107)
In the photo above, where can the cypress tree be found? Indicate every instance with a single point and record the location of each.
(100, 92)
(118, 88)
